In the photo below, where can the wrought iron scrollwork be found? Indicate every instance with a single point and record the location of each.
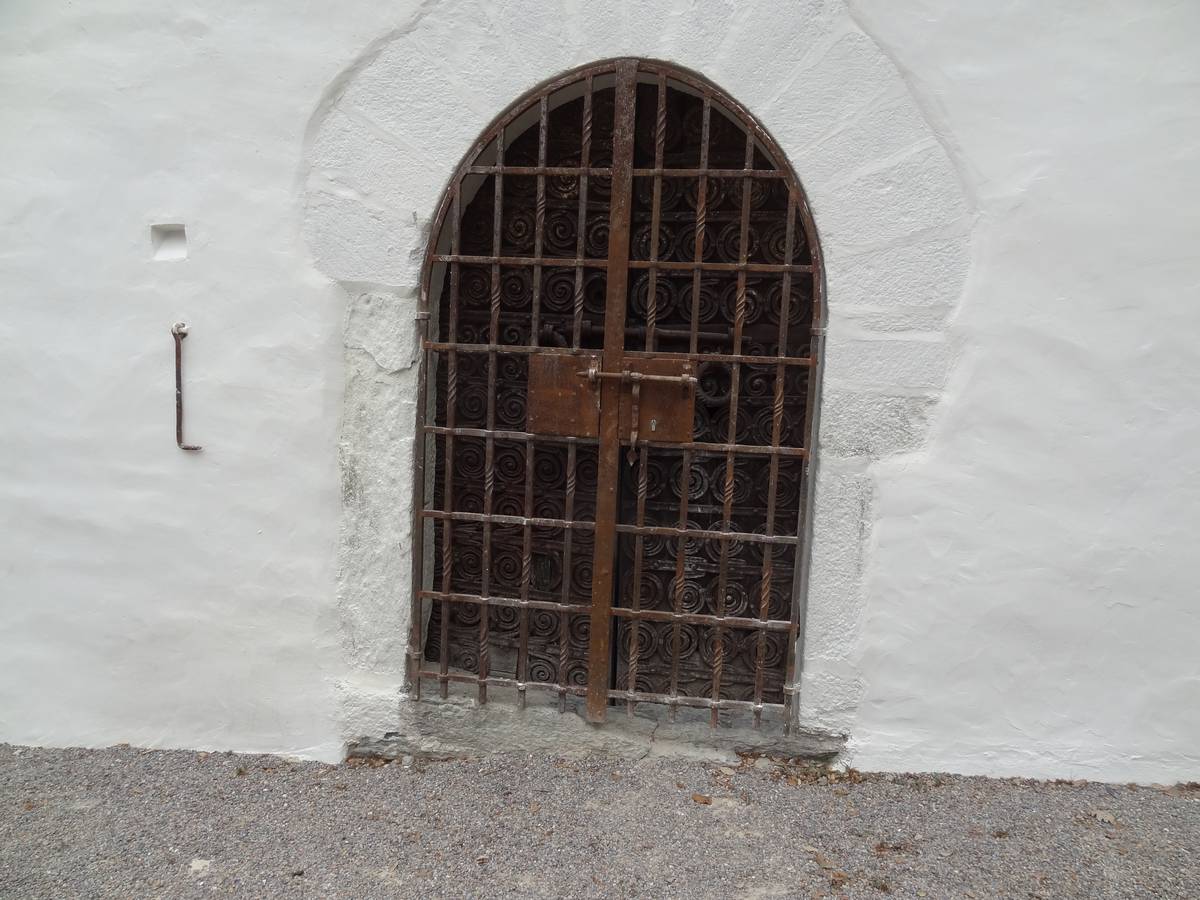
(533, 278)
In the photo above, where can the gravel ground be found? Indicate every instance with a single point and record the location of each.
(127, 823)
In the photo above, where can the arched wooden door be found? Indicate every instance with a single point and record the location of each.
(623, 291)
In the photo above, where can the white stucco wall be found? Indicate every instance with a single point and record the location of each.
(1002, 577)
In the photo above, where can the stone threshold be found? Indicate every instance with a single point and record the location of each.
(460, 727)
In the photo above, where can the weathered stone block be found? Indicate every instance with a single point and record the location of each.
(815, 100)
(915, 194)
(842, 514)
(355, 242)
(407, 93)
(384, 325)
(927, 273)
(887, 362)
(855, 423)
(874, 137)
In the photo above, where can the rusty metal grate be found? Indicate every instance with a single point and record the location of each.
(624, 298)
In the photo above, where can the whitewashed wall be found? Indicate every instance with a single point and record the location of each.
(1002, 578)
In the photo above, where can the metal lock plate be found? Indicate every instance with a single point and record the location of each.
(665, 410)
(560, 402)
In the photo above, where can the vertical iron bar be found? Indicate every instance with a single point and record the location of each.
(634, 624)
(685, 476)
(535, 303)
(701, 214)
(421, 445)
(522, 672)
(785, 302)
(568, 542)
(803, 554)
(415, 643)
(739, 322)
(660, 129)
(608, 457)
(585, 153)
(448, 458)
(489, 463)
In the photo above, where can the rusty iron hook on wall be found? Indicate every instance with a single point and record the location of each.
(179, 331)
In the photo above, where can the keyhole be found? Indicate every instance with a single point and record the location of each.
(654, 424)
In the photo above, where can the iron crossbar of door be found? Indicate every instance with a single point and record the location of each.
(581, 422)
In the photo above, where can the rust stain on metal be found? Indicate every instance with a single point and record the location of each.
(607, 470)
(559, 402)
(179, 331)
(666, 401)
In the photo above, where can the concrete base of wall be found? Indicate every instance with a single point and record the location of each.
(459, 726)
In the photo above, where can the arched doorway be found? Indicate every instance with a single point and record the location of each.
(624, 298)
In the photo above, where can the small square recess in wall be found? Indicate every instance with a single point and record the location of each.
(168, 242)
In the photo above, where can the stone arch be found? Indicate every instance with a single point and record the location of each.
(895, 228)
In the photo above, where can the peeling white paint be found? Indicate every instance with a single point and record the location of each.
(1002, 577)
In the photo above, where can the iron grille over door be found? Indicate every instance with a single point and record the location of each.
(624, 292)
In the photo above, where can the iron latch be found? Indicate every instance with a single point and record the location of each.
(593, 373)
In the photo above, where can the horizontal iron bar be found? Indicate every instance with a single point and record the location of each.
(565, 262)
(538, 170)
(677, 333)
(613, 694)
(691, 266)
(508, 435)
(534, 522)
(586, 326)
(746, 537)
(694, 446)
(526, 349)
(738, 622)
(806, 361)
(517, 349)
(605, 171)
(713, 173)
(553, 606)
(679, 700)
(499, 681)
(743, 449)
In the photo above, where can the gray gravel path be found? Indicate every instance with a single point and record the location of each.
(129, 823)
